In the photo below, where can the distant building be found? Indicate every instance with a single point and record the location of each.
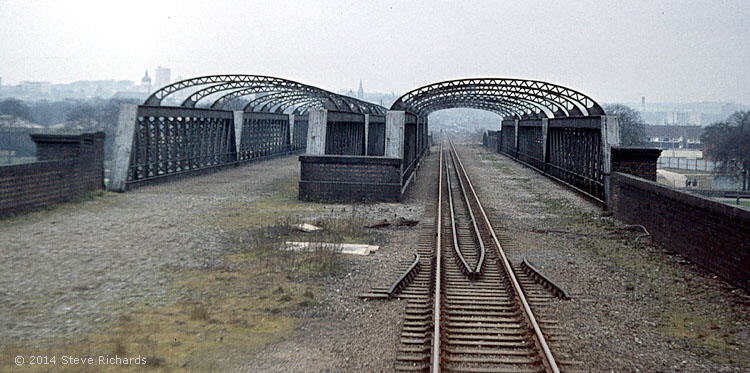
(674, 137)
(360, 91)
(162, 77)
(129, 95)
(146, 83)
(29, 87)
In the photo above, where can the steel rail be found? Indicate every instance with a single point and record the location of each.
(436, 336)
(454, 230)
(402, 281)
(478, 270)
(549, 359)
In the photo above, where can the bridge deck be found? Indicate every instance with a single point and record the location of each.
(75, 270)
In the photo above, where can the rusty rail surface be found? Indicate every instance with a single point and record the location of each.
(540, 341)
(469, 312)
(543, 280)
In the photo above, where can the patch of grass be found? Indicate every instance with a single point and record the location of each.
(556, 205)
(712, 336)
(498, 162)
(282, 203)
(687, 172)
(216, 328)
(91, 196)
(230, 311)
(199, 312)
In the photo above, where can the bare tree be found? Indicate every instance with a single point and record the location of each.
(632, 127)
(728, 143)
(16, 108)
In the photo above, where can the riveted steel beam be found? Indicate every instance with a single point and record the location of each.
(551, 100)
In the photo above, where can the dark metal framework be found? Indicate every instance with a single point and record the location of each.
(511, 98)
(288, 94)
(170, 140)
(345, 134)
(567, 149)
(549, 127)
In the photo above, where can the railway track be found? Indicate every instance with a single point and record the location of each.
(466, 308)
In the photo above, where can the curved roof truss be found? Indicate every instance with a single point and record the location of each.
(519, 97)
(242, 85)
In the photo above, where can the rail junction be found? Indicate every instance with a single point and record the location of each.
(470, 306)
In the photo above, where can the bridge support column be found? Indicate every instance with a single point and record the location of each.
(610, 133)
(291, 132)
(316, 131)
(238, 119)
(515, 143)
(123, 147)
(545, 145)
(394, 133)
(367, 133)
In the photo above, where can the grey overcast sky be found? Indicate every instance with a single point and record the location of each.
(615, 51)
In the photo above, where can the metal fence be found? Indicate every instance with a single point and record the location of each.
(164, 141)
(299, 133)
(567, 149)
(345, 134)
(376, 135)
(415, 144)
(686, 164)
(264, 135)
(531, 143)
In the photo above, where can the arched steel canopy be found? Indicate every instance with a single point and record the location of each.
(242, 85)
(517, 98)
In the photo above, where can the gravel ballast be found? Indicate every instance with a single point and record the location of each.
(635, 307)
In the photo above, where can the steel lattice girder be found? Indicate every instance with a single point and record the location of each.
(549, 98)
(503, 112)
(529, 101)
(265, 103)
(156, 97)
(304, 108)
(281, 102)
(474, 105)
(566, 98)
(256, 84)
(193, 99)
(537, 101)
(223, 100)
(328, 100)
(519, 107)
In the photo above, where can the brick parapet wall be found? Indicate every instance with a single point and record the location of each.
(349, 178)
(711, 234)
(639, 162)
(69, 166)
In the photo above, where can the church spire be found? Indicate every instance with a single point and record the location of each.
(360, 91)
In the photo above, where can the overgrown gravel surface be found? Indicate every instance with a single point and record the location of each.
(345, 333)
(635, 306)
(80, 267)
(65, 270)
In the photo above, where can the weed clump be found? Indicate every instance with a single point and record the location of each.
(199, 312)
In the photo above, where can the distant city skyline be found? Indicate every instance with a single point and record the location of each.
(352, 90)
(613, 51)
